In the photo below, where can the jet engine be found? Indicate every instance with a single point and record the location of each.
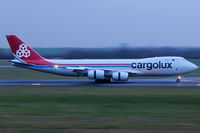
(96, 74)
(120, 76)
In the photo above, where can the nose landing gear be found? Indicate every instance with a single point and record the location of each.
(178, 80)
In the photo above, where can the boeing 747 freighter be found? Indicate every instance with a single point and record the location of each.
(99, 69)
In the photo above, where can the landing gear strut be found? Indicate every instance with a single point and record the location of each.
(178, 80)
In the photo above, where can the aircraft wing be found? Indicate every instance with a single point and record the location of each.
(86, 69)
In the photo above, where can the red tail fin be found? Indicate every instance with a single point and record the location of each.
(23, 52)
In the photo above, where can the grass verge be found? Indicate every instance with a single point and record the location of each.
(99, 109)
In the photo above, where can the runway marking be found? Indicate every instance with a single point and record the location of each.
(36, 84)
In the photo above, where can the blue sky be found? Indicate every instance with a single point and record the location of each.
(101, 23)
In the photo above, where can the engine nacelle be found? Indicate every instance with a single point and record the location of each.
(96, 74)
(120, 76)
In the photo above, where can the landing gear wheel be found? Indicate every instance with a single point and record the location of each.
(103, 81)
(178, 80)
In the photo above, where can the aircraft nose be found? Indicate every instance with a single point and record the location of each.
(194, 67)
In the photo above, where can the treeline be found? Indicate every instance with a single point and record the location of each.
(109, 53)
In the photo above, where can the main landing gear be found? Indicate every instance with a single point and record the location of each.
(178, 80)
(103, 81)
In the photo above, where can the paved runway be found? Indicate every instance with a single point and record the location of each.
(192, 81)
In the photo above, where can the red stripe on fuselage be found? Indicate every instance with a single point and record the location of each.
(47, 63)
(94, 64)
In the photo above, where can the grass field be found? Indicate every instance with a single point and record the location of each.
(97, 109)
(38, 109)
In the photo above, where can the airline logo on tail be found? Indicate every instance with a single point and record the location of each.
(23, 51)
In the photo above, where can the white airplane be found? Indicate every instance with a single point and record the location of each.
(102, 70)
